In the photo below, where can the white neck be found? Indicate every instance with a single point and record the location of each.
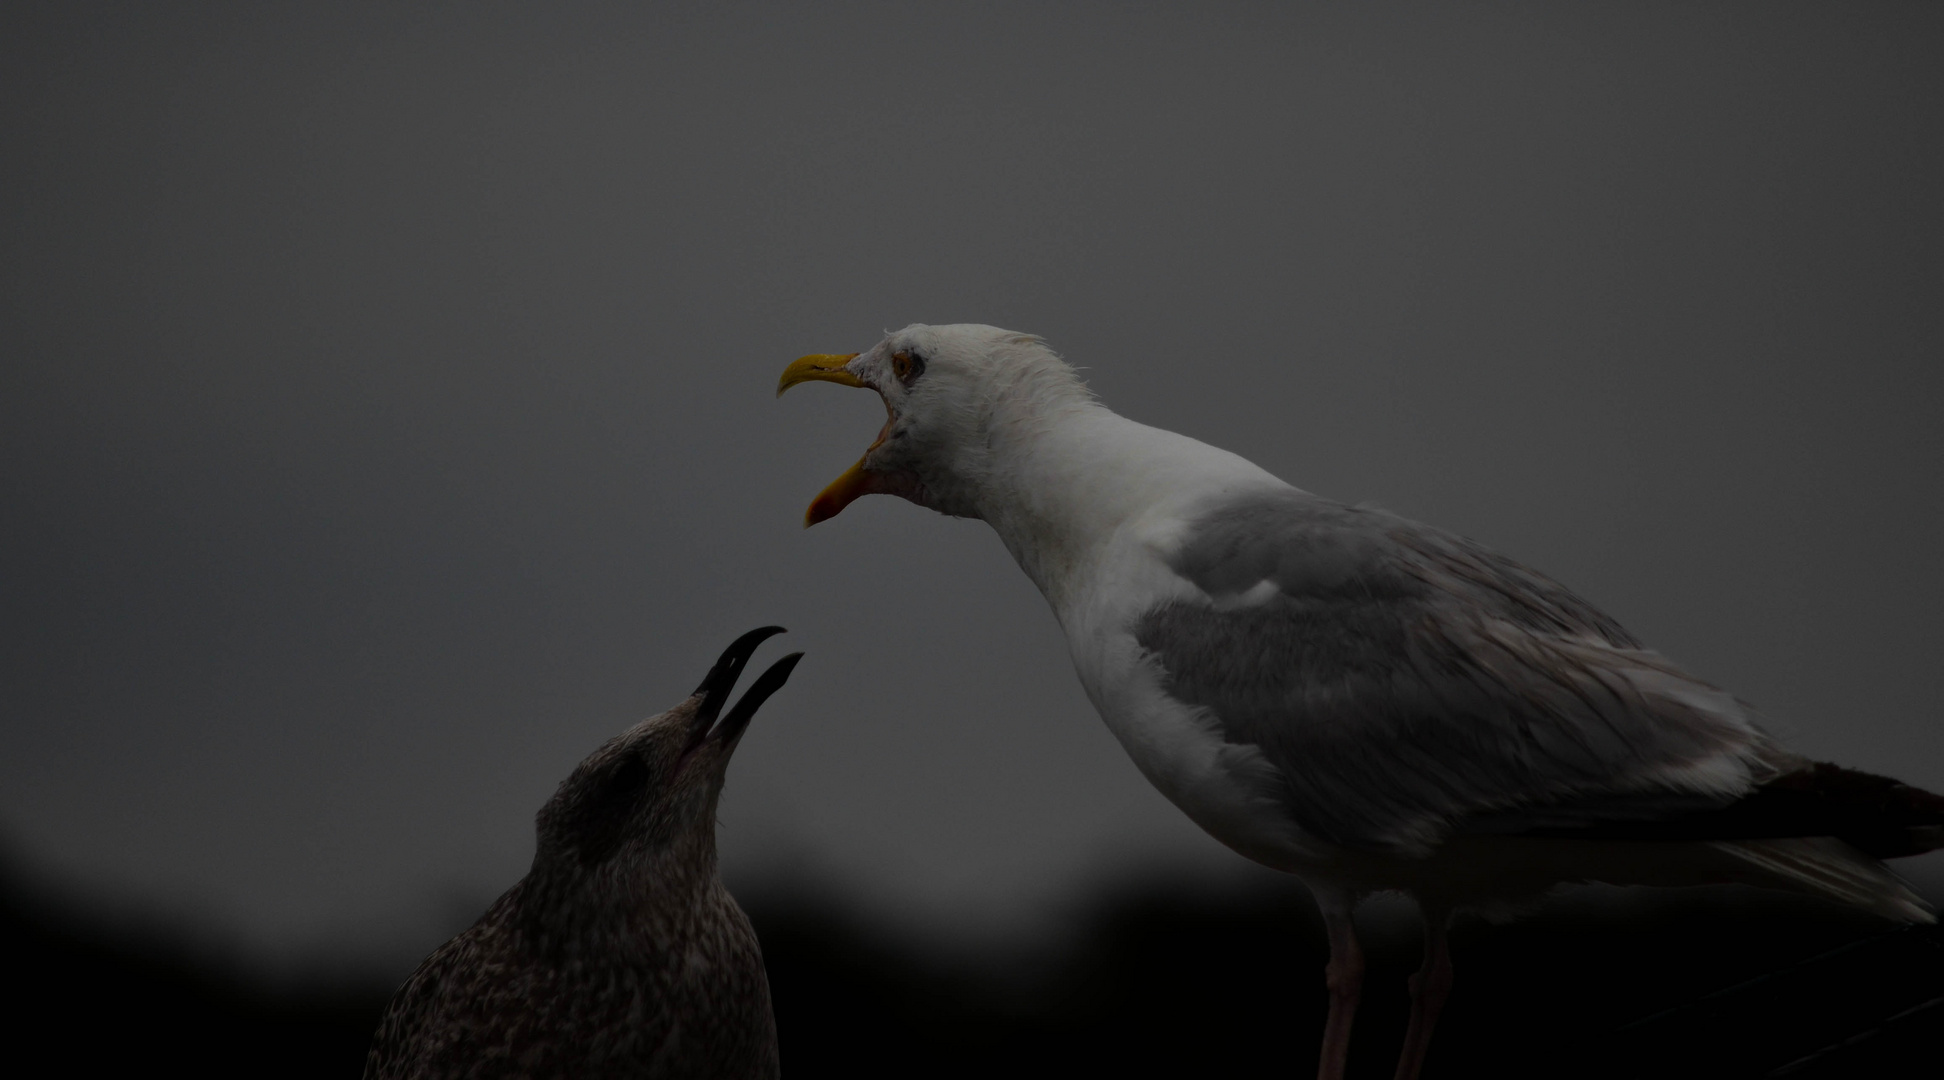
(1058, 489)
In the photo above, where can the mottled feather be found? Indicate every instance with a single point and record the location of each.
(620, 954)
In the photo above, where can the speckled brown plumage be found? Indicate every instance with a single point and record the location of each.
(620, 954)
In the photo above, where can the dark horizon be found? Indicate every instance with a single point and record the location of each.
(1158, 976)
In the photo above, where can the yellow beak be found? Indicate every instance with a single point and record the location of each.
(819, 367)
(842, 491)
(856, 481)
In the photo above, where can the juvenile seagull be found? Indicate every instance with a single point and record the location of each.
(1363, 701)
(620, 954)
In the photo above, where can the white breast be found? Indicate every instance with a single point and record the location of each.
(1226, 789)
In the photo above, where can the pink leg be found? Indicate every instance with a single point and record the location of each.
(1344, 975)
(1429, 988)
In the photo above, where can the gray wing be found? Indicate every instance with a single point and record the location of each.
(1408, 684)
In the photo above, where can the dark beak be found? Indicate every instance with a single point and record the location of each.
(769, 682)
(721, 679)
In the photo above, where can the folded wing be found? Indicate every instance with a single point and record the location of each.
(1408, 684)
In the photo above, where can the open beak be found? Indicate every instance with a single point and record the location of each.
(721, 679)
(857, 481)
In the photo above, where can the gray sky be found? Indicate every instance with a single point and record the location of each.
(386, 417)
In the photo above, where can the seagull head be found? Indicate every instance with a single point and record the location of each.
(955, 398)
(650, 793)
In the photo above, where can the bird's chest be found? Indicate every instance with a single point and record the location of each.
(1230, 790)
(691, 1003)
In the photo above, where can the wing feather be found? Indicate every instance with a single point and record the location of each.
(1407, 683)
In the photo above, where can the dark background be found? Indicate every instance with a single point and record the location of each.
(385, 420)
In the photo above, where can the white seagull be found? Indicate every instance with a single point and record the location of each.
(1362, 701)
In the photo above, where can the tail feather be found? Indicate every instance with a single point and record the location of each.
(1830, 868)
(1876, 815)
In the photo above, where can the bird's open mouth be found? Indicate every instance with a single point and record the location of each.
(857, 481)
(715, 688)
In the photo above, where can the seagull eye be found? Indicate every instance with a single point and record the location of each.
(907, 367)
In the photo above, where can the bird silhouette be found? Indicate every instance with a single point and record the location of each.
(620, 953)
